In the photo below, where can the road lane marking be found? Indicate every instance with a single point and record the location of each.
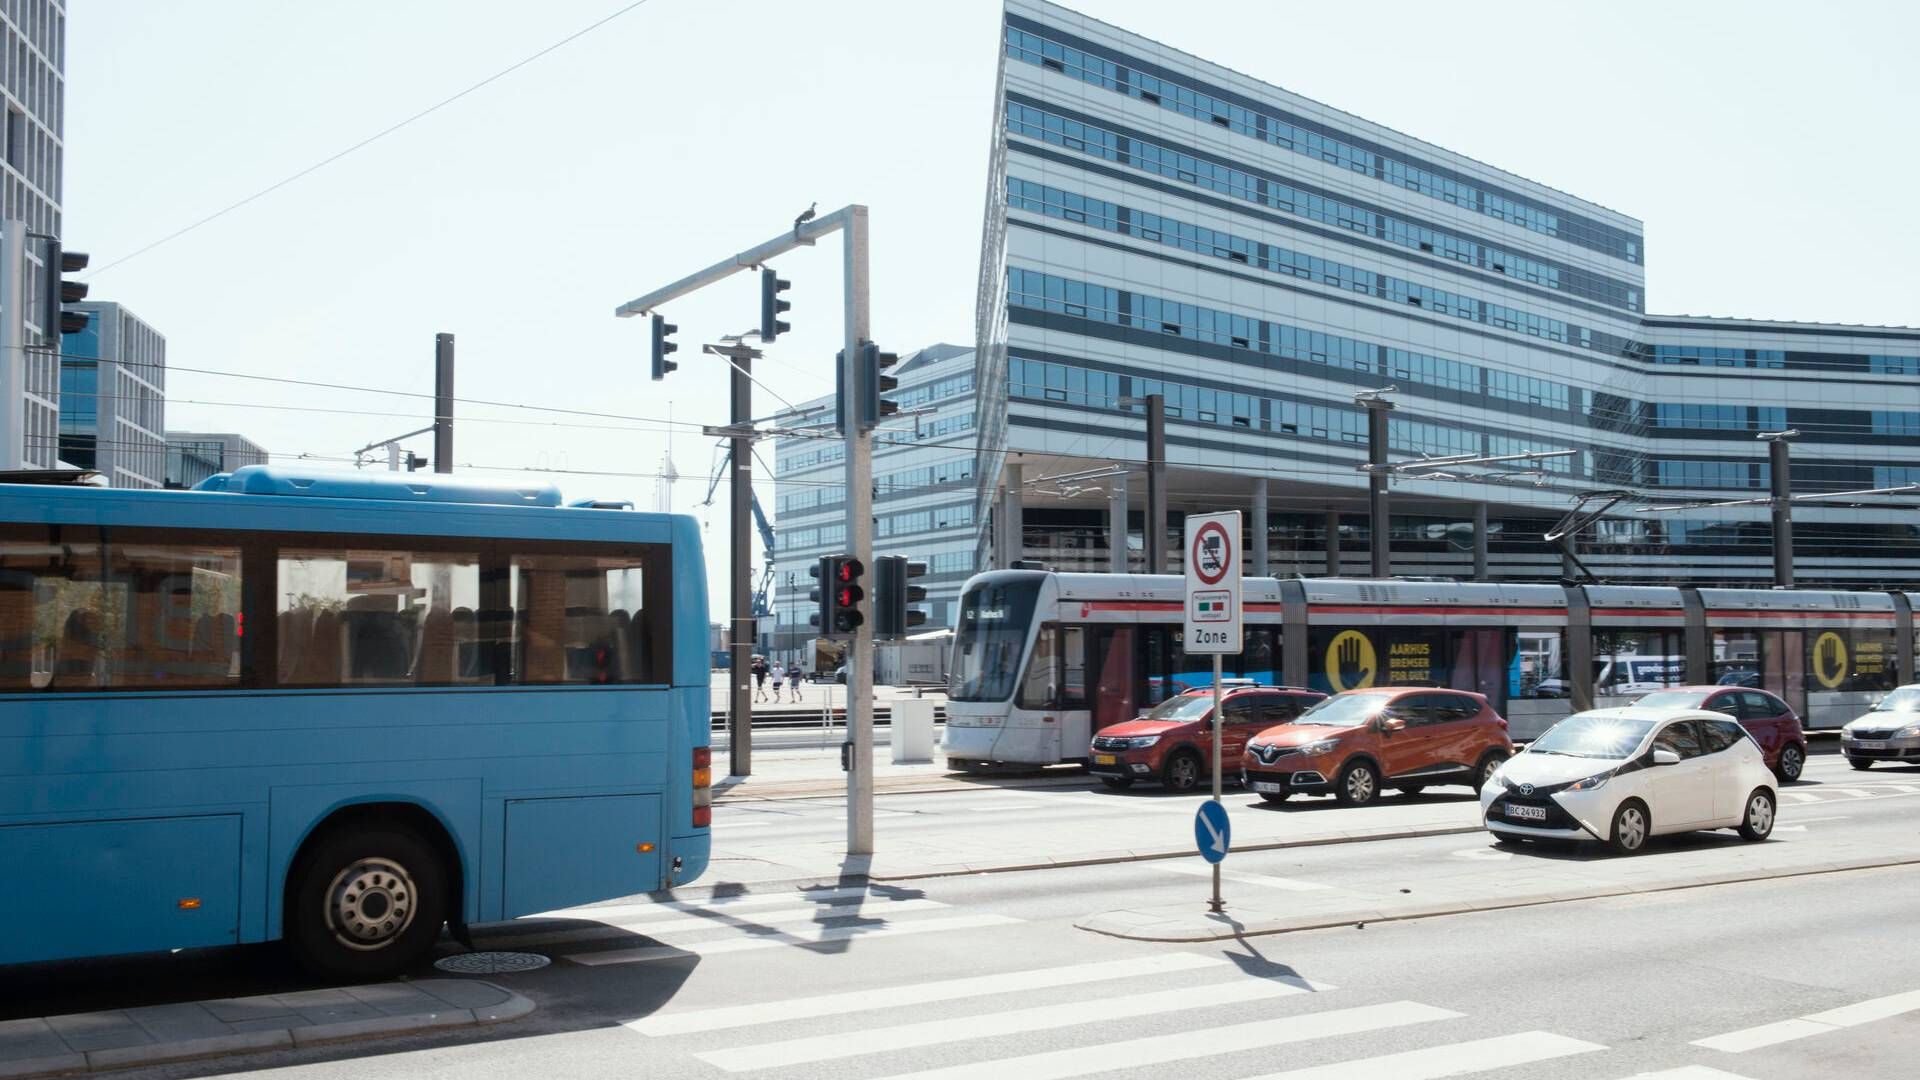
(1800, 796)
(1789, 828)
(805, 1008)
(1688, 1072)
(777, 940)
(1209, 1042)
(1456, 1059)
(1015, 1022)
(737, 900)
(1263, 880)
(1846, 1016)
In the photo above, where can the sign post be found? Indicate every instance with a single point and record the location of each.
(1213, 626)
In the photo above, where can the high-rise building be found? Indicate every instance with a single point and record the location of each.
(924, 462)
(192, 456)
(33, 46)
(113, 383)
(1159, 224)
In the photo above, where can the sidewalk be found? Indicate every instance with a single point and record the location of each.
(815, 773)
(1529, 878)
(128, 1038)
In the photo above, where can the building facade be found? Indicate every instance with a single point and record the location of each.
(192, 456)
(1157, 224)
(924, 465)
(33, 44)
(113, 383)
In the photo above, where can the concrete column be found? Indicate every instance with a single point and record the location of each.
(1117, 524)
(1012, 538)
(1257, 531)
(1379, 516)
(1479, 541)
(1333, 543)
(1156, 524)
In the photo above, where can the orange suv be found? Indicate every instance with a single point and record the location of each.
(1173, 744)
(1356, 743)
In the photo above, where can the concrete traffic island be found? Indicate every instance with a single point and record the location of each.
(157, 1034)
(1492, 886)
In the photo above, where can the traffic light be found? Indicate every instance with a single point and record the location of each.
(821, 595)
(61, 292)
(771, 286)
(892, 618)
(874, 381)
(662, 329)
(847, 593)
(415, 462)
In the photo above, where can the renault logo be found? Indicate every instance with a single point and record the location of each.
(1526, 789)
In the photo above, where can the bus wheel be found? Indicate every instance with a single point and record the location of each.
(365, 902)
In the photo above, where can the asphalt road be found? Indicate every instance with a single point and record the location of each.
(986, 976)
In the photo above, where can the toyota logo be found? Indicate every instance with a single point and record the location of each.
(1526, 789)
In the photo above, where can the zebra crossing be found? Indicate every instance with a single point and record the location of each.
(1097, 1017)
(747, 922)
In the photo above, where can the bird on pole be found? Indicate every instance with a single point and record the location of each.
(805, 216)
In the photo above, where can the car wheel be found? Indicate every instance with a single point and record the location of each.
(1275, 797)
(1631, 826)
(1182, 772)
(1792, 760)
(1483, 771)
(1358, 785)
(1757, 822)
(1863, 764)
(1117, 783)
(365, 902)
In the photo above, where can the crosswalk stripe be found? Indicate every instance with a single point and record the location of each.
(773, 1012)
(1688, 1073)
(1263, 880)
(1846, 1016)
(1800, 796)
(1015, 1022)
(778, 939)
(1858, 793)
(739, 900)
(1161, 1050)
(1455, 1059)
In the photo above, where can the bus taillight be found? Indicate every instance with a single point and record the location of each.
(702, 787)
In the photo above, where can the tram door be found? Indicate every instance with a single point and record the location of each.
(1783, 658)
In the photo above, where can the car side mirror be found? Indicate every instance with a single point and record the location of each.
(1664, 756)
(1391, 724)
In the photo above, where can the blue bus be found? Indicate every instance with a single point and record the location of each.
(341, 711)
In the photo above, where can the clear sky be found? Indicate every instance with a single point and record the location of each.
(1768, 147)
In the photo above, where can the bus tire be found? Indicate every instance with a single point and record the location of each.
(365, 902)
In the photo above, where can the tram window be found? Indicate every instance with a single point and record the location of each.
(1539, 665)
(1736, 657)
(1629, 662)
(1073, 663)
(1041, 687)
(1258, 649)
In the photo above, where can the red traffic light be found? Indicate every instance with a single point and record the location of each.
(851, 569)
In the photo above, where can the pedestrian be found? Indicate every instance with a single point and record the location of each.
(796, 677)
(779, 676)
(759, 678)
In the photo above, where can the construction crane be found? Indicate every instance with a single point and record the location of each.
(763, 593)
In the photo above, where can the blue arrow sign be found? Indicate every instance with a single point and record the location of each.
(1211, 831)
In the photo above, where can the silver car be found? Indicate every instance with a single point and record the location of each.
(1890, 732)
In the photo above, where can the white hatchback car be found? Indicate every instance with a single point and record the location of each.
(1622, 775)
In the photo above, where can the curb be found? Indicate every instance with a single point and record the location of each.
(837, 788)
(251, 1042)
(1093, 924)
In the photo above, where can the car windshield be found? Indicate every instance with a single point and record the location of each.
(1905, 699)
(1593, 736)
(1183, 707)
(1344, 710)
(1672, 699)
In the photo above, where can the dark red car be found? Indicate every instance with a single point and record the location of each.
(1771, 721)
(1173, 744)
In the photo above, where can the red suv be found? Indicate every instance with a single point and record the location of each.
(1356, 743)
(1771, 721)
(1173, 744)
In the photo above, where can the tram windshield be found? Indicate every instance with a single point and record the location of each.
(989, 643)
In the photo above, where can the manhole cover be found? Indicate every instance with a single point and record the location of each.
(491, 963)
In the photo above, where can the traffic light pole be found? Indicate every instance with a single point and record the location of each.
(853, 221)
(740, 567)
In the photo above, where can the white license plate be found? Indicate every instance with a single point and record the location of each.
(1266, 787)
(1526, 813)
(1104, 759)
(1870, 744)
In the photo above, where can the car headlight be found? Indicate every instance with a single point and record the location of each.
(1908, 732)
(1141, 742)
(1591, 783)
(1321, 747)
(1497, 779)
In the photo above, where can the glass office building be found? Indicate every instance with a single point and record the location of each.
(1158, 224)
(113, 385)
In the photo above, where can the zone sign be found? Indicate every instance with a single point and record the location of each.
(1213, 583)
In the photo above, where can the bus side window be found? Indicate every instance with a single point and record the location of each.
(591, 619)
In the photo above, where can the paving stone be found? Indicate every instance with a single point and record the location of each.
(308, 999)
(30, 1038)
(396, 999)
(336, 1014)
(84, 1032)
(261, 1007)
(170, 1023)
(463, 993)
